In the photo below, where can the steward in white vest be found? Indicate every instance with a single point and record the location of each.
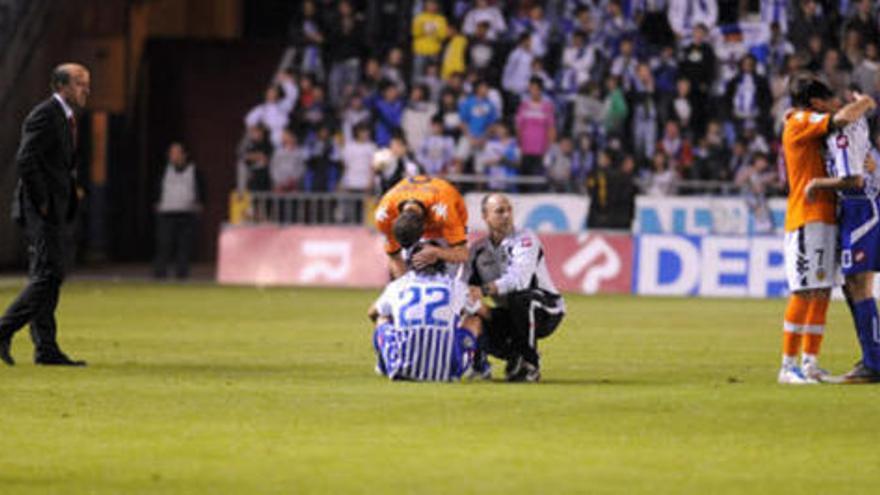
(180, 200)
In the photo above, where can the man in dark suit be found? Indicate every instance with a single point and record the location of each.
(45, 205)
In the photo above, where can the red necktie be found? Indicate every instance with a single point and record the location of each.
(73, 134)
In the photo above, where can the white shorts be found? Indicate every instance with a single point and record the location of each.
(811, 257)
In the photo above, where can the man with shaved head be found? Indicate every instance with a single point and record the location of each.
(45, 204)
(510, 266)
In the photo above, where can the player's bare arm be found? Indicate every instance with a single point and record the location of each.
(432, 254)
(854, 110)
(832, 183)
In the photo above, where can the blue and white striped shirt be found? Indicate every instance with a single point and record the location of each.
(847, 151)
(425, 311)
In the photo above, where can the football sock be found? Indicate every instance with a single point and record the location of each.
(814, 329)
(866, 321)
(793, 327)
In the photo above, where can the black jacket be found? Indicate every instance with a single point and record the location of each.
(46, 167)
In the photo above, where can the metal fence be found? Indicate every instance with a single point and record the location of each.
(349, 208)
(338, 208)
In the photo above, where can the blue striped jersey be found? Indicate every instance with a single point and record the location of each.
(425, 311)
(848, 148)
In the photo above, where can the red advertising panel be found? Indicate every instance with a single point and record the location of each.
(353, 257)
(323, 256)
(590, 263)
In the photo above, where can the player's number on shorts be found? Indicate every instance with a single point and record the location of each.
(435, 298)
(821, 254)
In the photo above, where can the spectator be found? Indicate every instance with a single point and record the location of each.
(755, 182)
(416, 120)
(665, 69)
(579, 59)
(625, 64)
(711, 156)
(644, 119)
(393, 164)
(611, 192)
(775, 12)
(437, 150)
(865, 74)
(393, 70)
(449, 114)
(254, 155)
(676, 147)
(181, 196)
(537, 27)
(661, 179)
(808, 21)
(345, 53)
(838, 78)
(588, 110)
(757, 143)
(307, 34)
(481, 51)
(852, 49)
(779, 90)
(539, 72)
(559, 165)
(536, 128)
(313, 114)
(357, 173)
(779, 49)
(614, 108)
(454, 54)
(499, 159)
(355, 113)
(431, 80)
(483, 12)
(748, 97)
(515, 79)
(428, 32)
(322, 161)
(697, 63)
(455, 83)
(371, 80)
(739, 157)
(280, 99)
(815, 54)
(863, 22)
(616, 27)
(477, 111)
(288, 164)
(686, 15)
(583, 163)
(387, 114)
(683, 107)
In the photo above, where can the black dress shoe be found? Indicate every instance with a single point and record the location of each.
(59, 359)
(5, 356)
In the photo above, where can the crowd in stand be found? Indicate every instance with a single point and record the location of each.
(586, 94)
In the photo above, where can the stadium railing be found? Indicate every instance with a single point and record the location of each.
(351, 208)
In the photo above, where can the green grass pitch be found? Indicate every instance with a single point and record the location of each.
(204, 389)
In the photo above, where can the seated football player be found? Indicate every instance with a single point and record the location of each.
(430, 208)
(509, 265)
(426, 328)
(854, 175)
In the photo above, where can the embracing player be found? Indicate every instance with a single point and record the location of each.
(810, 224)
(423, 207)
(853, 174)
(426, 328)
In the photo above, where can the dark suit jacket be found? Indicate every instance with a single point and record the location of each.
(45, 162)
